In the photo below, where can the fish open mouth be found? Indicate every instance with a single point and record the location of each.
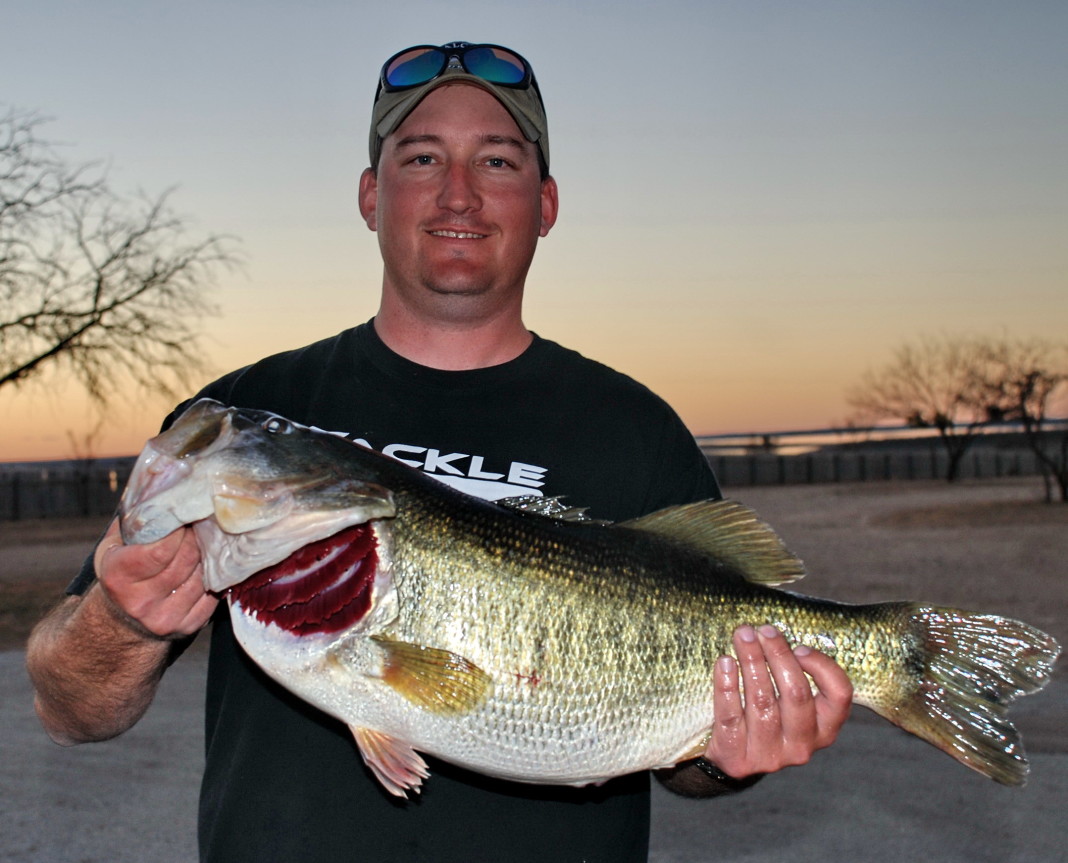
(323, 587)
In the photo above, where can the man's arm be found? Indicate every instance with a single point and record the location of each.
(96, 660)
(769, 720)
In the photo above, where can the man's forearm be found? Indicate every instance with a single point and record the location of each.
(94, 675)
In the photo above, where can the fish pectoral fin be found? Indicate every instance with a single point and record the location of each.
(397, 766)
(436, 680)
(730, 532)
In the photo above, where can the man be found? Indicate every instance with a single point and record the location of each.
(447, 377)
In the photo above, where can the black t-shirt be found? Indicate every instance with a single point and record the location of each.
(284, 782)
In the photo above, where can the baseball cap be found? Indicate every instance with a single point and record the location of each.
(409, 75)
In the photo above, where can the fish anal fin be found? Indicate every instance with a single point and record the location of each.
(730, 532)
(431, 678)
(686, 753)
(697, 750)
(395, 764)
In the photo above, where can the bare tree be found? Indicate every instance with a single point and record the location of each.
(107, 287)
(928, 384)
(1026, 380)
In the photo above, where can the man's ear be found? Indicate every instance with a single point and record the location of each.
(369, 198)
(550, 205)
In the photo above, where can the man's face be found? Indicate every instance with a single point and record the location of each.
(459, 205)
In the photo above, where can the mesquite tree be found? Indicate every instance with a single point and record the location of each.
(930, 383)
(958, 384)
(106, 287)
(1026, 381)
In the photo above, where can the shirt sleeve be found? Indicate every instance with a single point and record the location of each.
(83, 580)
(681, 472)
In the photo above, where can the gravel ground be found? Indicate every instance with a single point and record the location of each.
(877, 795)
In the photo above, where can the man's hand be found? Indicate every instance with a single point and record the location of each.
(156, 589)
(766, 715)
(96, 660)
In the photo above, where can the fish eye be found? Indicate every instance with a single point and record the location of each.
(277, 425)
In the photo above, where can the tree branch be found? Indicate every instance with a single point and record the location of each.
(107, 286)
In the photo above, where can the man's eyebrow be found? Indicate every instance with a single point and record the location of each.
(506, 140)
(415, 140)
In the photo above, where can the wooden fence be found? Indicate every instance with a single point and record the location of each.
(62, 491)
(73, 489)
(860, 465)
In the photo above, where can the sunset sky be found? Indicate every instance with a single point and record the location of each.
(759, 200)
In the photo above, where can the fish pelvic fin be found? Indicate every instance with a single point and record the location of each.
(395, 764)
(431, 678)
(730, 532)
(965, 670)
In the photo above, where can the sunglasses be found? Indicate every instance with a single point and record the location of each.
(423, 63)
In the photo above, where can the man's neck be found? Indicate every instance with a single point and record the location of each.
(451, 345)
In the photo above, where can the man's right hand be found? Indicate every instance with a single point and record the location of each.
(157, 589)
(96, 659)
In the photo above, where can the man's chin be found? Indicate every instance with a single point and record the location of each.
(458, 279)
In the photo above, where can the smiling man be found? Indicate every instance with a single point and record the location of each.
(459, 203)
(448, 376)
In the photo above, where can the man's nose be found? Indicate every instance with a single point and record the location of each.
(459, 192)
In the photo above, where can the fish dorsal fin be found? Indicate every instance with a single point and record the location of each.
(549, 507)
(730, 532)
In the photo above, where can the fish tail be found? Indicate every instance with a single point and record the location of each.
(957, 676)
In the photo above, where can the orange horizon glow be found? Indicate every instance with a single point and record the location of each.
(59, 422)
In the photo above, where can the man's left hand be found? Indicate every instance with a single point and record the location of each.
(766, 714)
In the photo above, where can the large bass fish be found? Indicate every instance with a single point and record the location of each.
(524, 646)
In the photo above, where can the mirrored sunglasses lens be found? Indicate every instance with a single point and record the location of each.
(495, 64)
(414, 67)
